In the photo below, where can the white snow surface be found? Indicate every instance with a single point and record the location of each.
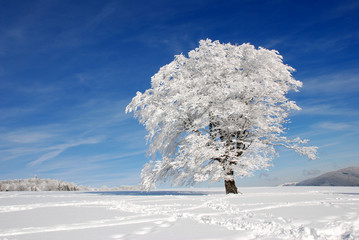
(257, 213)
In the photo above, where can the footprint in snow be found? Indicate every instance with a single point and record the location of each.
(143, 231)
(118, 236)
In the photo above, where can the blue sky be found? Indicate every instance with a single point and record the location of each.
(69, 68)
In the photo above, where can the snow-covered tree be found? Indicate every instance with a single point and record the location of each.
(217, 114)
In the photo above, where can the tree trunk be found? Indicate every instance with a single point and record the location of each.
(230, 185)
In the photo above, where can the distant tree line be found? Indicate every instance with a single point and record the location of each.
(37, 184)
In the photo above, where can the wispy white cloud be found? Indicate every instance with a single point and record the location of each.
(94, 169)
(106, 157)
(45, 157)
(275, 42)
(25, 136)
(103, 15)
(89, 123)
(344, 9)
(15, 112)
(18, 152)
(329, 109)
(339, 83)
(329, 145)
(58, 149)
(335, 126)
(334, 44)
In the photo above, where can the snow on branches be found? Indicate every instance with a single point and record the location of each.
(216, 114)
(38, 184)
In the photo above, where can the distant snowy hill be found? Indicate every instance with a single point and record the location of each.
(343, 177)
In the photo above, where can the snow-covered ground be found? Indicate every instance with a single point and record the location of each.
(258, 213)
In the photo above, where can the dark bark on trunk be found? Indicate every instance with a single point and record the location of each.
(230, 185)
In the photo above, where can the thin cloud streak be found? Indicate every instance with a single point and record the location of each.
(334, 126)
(61, 148)
(97, 121)
(339, 83)
(325, 109)
(106, 157)
(26, 137)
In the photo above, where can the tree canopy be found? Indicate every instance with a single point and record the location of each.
(218, 113)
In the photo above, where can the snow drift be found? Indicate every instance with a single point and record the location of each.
(291, 213)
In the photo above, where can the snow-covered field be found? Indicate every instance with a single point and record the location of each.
(258, 213)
